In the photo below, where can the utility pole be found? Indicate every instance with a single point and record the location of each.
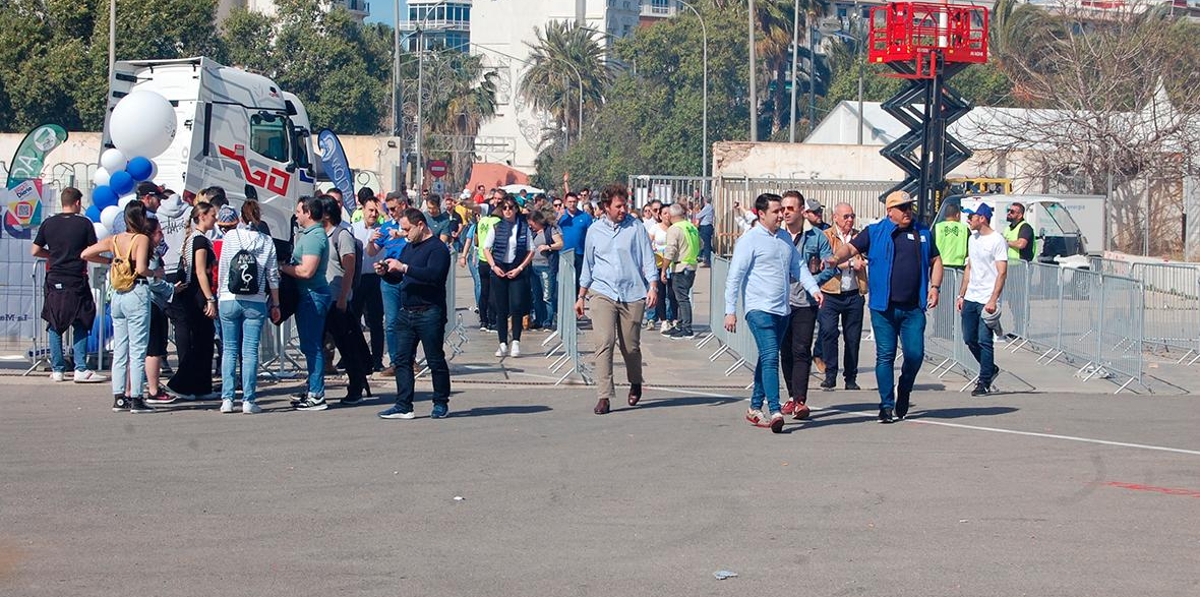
(753, 78)
(795, 83)
(112, 38)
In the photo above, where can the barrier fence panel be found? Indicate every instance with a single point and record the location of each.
(644, 188)
(1042, 314)
(942, 328)
(863, 196)
(566, 337)
(1077, 314)
(740, 342)
(1120, 331)
(1014, 316)
(1172, 307)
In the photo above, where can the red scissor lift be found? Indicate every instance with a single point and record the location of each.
(926, 44)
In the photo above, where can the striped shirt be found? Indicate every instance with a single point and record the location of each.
(263, 249)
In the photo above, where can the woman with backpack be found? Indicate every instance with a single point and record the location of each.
(128, 276)
(248, 271)
(194, 306)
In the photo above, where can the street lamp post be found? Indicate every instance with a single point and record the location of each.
(753, 78)
(795, 52)
(704, 125)
(420, 135)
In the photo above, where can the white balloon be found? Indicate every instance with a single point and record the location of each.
(109, 215)
(100, 178)
(143, 124)
(153, 170)
(102, 231)
(123, 201)
(113, 160)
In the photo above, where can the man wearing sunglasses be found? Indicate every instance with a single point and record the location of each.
(906, 277)
(1019, 234)
(844, 302)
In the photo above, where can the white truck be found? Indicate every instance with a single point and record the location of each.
(236, 130)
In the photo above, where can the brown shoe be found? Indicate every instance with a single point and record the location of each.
(818, 364)
(635, 393)
(601, 407)
(801, 410)
(387, 372)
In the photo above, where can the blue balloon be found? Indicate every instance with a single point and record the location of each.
(103, 197)
(93, 212)
(120, 182)
(139, 168)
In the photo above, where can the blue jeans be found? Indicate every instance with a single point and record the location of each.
(79, 341)
(978, 337)
(706, 238)
(427, 327)
(131, 336)
(241, 331)
(473, 267)
(391, 319)
(545, 291)
(767, 329)
(907, 325)
(310, 324)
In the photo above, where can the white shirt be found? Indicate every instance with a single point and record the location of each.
(983, 251)
(510, 255)
(363, 234)
(849, 281)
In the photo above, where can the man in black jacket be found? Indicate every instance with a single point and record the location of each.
(421, 271)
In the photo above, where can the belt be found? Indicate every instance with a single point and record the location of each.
(844, 293)
(418, 308)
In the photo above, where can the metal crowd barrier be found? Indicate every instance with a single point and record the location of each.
(567, 332)
(39, 337)
(1091, 317)
(739, 343)
(1172, 307)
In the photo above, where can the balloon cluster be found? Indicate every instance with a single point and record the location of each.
(142, 125)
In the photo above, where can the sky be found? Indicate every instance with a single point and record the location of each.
(381, 10)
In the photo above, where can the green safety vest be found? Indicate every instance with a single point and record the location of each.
(951, 239)
(482, 227)
(1011, 234)
(691, 235)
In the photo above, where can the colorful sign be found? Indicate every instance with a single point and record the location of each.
(31, 154)
(22, 209)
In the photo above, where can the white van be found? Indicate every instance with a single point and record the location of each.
(236, 130)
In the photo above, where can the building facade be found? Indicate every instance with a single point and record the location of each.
(501, 31)
(359, 9)
(436, 25)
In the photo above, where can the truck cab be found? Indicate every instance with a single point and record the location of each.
(236, 130)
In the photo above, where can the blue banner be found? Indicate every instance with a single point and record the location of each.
(333, 158)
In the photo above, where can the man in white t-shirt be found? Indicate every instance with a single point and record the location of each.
(979, 295)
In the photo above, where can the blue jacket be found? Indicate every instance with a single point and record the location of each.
(881, 253)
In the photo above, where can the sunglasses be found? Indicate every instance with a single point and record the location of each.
(557, 204)
(849, 216)
(904, 207)
(789, 208)
(508, 208)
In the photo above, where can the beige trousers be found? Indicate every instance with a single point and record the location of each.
(616, 322)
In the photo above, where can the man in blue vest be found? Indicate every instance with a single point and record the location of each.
(906, 278)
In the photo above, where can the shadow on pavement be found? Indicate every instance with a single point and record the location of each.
(681, 401)
(486, 411)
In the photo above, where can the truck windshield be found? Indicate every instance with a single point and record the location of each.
(1059, 222)
(269, 136)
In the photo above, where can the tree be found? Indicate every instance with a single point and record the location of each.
(458, 105)
(1119, 93)
(557, 53)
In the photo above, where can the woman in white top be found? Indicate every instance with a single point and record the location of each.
(247, 272)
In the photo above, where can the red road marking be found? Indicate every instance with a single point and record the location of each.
(1163, 490)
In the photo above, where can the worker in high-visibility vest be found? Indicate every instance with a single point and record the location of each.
(951, 235)
(1019, 234)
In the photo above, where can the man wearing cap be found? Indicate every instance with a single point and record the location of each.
(906, 277)
(979, 296)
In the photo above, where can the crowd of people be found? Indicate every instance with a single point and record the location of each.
(216, 276)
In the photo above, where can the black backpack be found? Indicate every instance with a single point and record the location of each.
(358, 254)
(243, 273)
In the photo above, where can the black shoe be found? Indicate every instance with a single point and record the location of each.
(120, 404)
(902, 404)
(853, 387)
(351, 400)
(828, 385)
(886, 416)
(137, 405)
(980, 390)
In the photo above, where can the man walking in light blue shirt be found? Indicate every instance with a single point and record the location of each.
(763, 266)
(619, 271)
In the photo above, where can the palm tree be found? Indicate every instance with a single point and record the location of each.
(551, 85)
(463, 98)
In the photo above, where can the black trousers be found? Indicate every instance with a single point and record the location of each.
(368, 303)
(347, 336)
(795, 351)
(487, 306)
(511, 298)
(846, 308)
(194, 336)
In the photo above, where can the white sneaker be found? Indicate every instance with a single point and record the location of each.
(227, 405)
(89, 376)
(516, 349)
(56, 376)
(250, 408)
(500, 351)
(665, 327)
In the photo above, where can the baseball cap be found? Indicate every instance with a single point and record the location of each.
(982, 209)
(898, 198)
(226, 215)
(148, 188)
(813, 205)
